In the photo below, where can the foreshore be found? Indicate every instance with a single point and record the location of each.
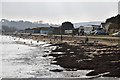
(72, 53)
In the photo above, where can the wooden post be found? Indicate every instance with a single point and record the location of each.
(61, 34)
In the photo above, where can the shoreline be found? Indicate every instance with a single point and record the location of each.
(46, 50)
(68, 38)
(99, 57)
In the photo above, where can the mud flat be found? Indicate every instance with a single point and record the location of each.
(102, 59)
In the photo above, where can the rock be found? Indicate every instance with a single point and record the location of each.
(113, 73)
(56, 70)
(45, 55)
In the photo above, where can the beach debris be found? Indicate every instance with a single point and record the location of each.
(37, 41)
(24, 42)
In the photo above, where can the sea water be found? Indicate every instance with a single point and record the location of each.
(23, 58)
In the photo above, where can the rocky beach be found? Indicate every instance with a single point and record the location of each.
(102, 59)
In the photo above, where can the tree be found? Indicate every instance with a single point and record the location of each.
(66, 26)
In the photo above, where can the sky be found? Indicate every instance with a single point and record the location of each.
(57, 12)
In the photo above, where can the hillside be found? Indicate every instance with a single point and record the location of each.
(22, 24)
(115, 20)
(27, 24)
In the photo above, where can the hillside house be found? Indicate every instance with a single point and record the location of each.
(28, 30)
(46, 30)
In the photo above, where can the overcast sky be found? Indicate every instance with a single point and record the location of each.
(58, 12)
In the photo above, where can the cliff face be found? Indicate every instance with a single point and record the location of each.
(115, 22)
